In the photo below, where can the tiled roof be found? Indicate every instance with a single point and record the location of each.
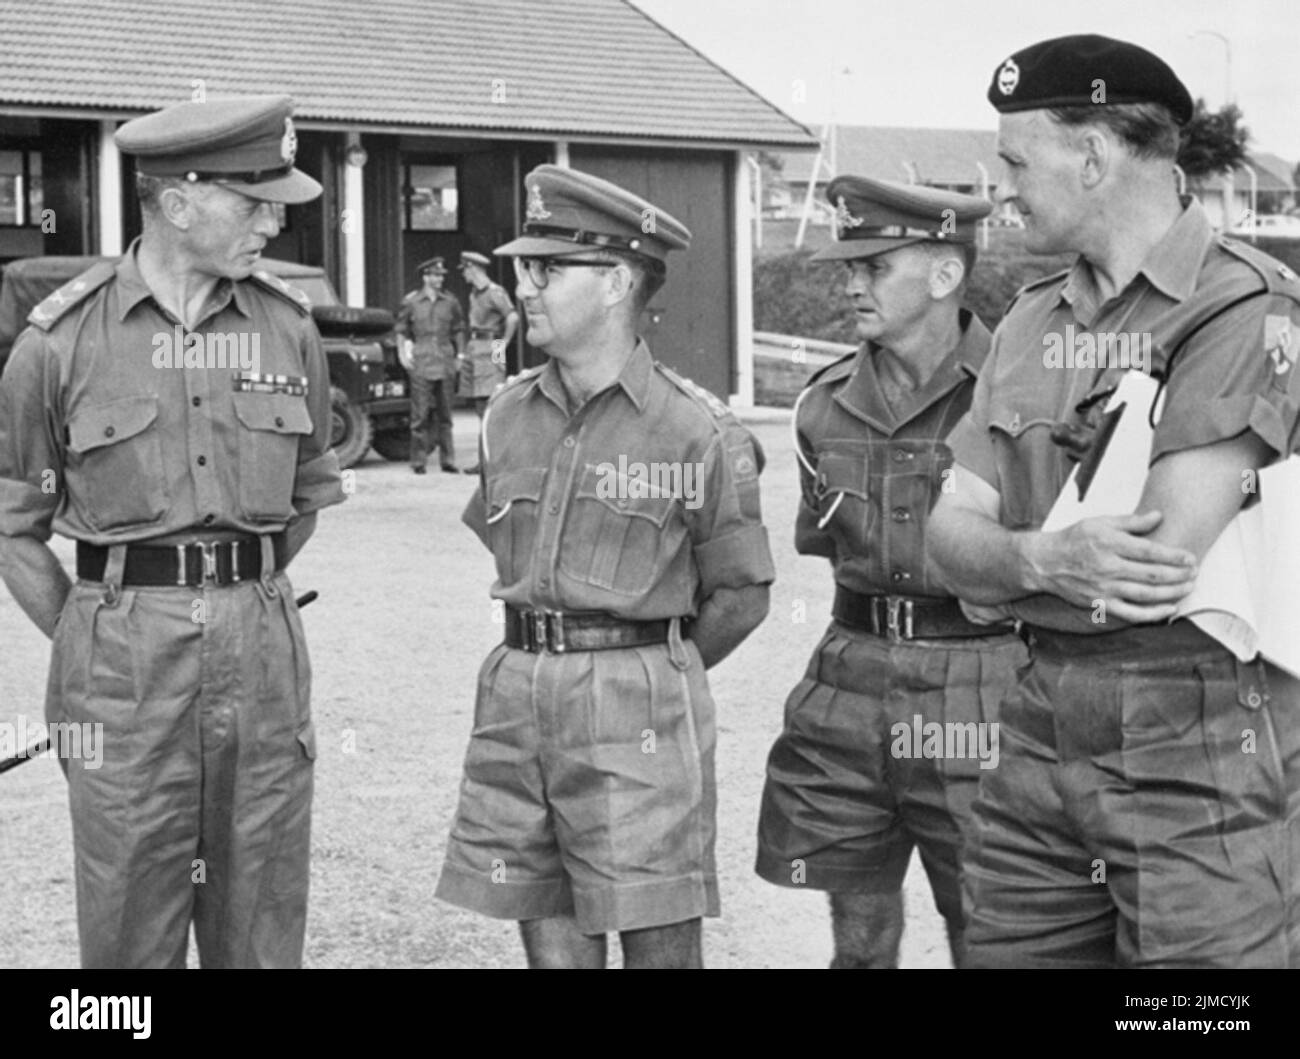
(938, 156)
(598, 68)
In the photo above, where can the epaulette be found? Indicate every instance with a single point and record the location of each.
(410, 296)
(716, 409)
(74, 292)
(515, 380)
(1045, 281)
(276, 285)
(834, 371)
(1279, 278)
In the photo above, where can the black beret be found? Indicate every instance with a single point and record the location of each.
(1084, 70)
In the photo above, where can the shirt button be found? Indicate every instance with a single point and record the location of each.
(569, 442)
(202, 461)
(554, 509)
(901, 514)
(279, 421)
(109, 432)
(196, 401)
(209, 519)
(544, 582)
(899, 455)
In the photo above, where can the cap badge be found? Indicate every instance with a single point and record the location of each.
(844, 220)
(288, 142)
(537, 210)
(1008, 77)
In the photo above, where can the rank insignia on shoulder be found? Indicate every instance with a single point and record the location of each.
(253, 382)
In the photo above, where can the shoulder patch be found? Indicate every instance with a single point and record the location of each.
(270, 281)
(72, 293)
(701, 396)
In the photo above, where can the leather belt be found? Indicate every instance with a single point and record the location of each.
(218, 562)
(556, 632)
(482, 332)
(908, 617)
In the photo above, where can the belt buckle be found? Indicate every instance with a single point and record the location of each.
(208, 549)
(900, 627)
(557, 643)
(537, 630)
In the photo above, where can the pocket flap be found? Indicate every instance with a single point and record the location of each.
(626, 495)
(283, 413)
(839, 472)
(505, 488)
(94, 426)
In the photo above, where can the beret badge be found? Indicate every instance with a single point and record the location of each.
(1008, 77)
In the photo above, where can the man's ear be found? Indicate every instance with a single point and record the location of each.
(622, 284)
(1097, 151)
(176, 207)
(946, 274)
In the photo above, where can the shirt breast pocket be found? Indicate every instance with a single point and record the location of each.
(512, 499)
(114, 469)
(272, 425)
(844, 505)
(618, 537)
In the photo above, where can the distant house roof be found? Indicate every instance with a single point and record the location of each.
(1271, 172)
(937, 156)
(564, 68)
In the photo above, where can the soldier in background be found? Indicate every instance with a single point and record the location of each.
(431, 338)
(492, 324)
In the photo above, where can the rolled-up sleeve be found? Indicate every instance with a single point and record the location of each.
(31, 448)
(318, 482)
(970, 440)
(727, 532)
(1237, 374)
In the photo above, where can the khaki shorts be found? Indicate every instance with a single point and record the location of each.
(1146, 812)
(588, 790)
(841, 811)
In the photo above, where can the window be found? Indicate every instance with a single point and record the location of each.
(21, 198)
(432, 202)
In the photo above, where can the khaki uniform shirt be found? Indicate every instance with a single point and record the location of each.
(432, 324)
(564, 511)
(488, 310)
(1231, 371)
(876, 470)
(100, 443)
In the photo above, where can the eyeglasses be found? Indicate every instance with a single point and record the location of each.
(537, 269)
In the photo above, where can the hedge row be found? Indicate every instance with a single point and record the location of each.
(795, 297)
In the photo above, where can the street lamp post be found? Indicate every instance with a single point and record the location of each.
(1227, 58)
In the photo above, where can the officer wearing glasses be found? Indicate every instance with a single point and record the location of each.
(588, 798)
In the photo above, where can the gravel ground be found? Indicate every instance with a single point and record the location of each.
(398, 633)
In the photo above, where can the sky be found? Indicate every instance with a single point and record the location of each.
(927, 63)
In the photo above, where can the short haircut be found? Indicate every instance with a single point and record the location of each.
(1148, 130)
(964, 250)
(649, 274)
(149, 189)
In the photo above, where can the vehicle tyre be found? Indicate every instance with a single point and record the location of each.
(350, 429)
(394, 445)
